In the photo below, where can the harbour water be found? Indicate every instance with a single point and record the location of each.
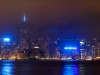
(47, 68)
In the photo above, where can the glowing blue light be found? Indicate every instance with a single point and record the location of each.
(6, 39)
(6, 68)
(70, 70)
(70, 48)
(24, 18)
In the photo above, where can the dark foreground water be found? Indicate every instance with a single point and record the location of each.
(48, 68)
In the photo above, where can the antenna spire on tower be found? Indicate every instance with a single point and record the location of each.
(24, 18)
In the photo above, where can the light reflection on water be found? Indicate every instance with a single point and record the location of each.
(30, 68)
(70, 69)
(6, 68)
(47, 68)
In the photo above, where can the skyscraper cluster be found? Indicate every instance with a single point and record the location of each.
(47, 47)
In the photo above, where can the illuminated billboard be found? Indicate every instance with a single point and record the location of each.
(70, 48)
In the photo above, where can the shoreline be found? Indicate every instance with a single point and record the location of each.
(54, 62)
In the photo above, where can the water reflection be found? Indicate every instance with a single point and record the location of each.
(46, 68)
(6, 68)
(70, 70)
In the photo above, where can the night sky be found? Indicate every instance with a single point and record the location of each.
(80, 18)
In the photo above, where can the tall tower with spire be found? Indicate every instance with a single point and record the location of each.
(24, 34)
(24, 27)
(24, 18)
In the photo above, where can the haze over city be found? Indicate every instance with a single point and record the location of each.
(48, 18)
(49, 37)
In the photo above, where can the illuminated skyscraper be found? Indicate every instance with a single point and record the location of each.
(24, 35)
(24, 28)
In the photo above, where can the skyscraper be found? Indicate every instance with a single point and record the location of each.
(24, 28)
(24, 35)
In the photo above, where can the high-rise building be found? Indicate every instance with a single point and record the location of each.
(68, 47)
(24, 28)
(24, 44)
(5, 47)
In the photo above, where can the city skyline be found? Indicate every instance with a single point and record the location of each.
(75, 18)
(49, 37)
